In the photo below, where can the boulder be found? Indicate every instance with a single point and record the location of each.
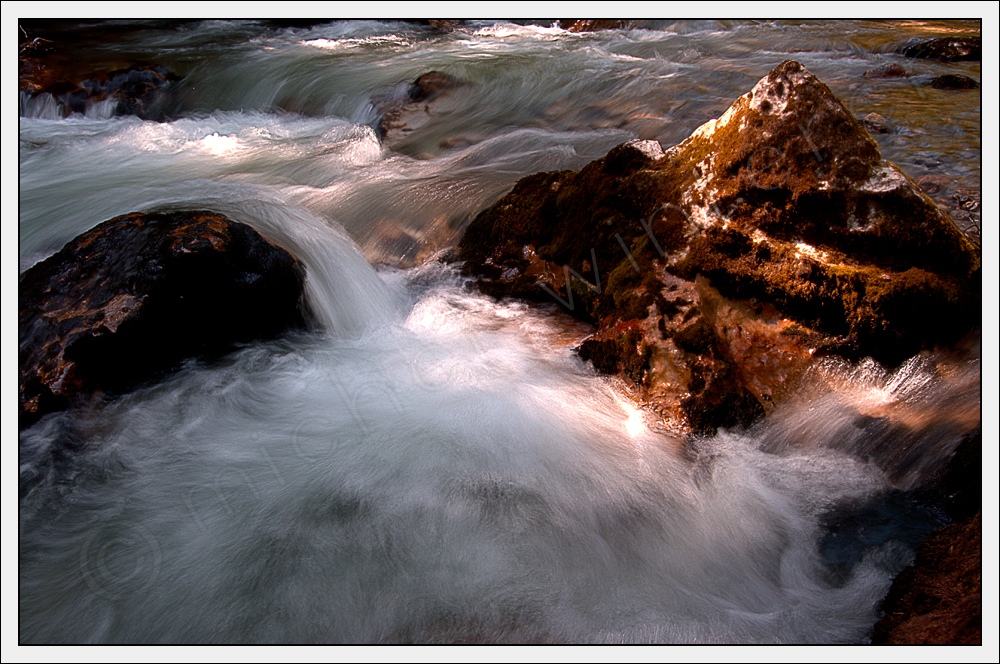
(944, 49)
(717, 270)
(132, 298)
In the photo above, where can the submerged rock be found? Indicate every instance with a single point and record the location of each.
(133, 297)
(413, 106)
(716, 271)
(944, 49)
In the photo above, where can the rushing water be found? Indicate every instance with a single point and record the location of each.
(432, 465)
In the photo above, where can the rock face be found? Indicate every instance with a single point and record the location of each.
(135, 296)
(717, 270)
(938, 600)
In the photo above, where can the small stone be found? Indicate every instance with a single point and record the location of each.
(886, 71)
(876, 124)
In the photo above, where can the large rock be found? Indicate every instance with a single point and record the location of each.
(717, 270)
(135, 296)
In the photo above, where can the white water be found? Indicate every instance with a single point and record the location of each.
(431, 465)
(441, 478)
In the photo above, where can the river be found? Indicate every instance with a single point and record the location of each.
(428, 464)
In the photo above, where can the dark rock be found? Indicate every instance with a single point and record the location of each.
(771, 235)
(593, 25)
(135, 296)
(876, 124)
(945, 49)
(938, 600)
(953, 82)
(142, 90)
(886, 71)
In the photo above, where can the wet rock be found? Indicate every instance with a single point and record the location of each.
(770, 236)
(593, 25)
(135, 296)
(932, 184)
(406, 109)
(876, 124)
(953, 82)
(445, 25)
(938, 600)
(141, 90)
(886, 71)
(944, 49)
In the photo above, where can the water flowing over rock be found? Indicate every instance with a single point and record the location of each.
(717, 270)
(135, 296)
(405, 110)
(140, 90)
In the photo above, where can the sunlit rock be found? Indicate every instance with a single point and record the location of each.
(773, 234)
(135, 296)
